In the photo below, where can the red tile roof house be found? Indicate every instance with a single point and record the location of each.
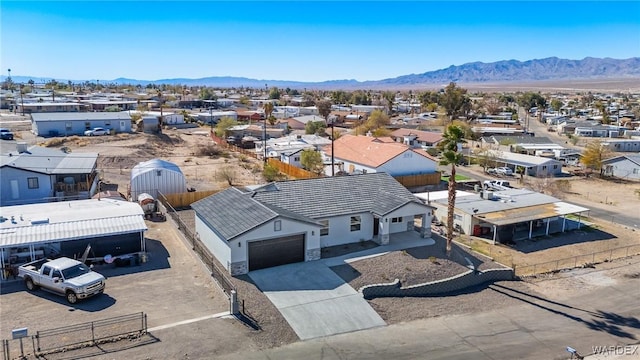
(417, 138)
(366, 154)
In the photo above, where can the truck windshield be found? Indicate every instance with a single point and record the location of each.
(75, 271)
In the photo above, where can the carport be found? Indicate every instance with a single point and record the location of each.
(275, 252)
(529, 222)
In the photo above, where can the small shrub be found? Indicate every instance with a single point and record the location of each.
(209, 150)
(55, 142)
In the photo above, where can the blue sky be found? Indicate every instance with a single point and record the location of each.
(301, 40)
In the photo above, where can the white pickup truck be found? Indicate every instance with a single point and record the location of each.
(497, 185)
(63, 276)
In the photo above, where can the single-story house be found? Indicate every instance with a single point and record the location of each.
(36, 174)
(505, 216)
(536, 166)
(288, 148)
(76, 123)
(622, 145)
(104, 104)
(291, 221)
(31, 232)
(47, 107)
(367, 154)
(417, 138)
(251, 116)
(215, 116)
(623, 167)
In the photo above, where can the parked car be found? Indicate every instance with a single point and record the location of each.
(63, 276)
(97, 132)
(491, 171)
(6, 134)
(504, 171)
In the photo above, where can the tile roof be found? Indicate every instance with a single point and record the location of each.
(369, 151)
(235, 211)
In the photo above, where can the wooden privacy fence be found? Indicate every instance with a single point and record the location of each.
(291, 170)
(181, 200)
(419, 180)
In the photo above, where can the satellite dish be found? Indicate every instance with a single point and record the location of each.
(108, 259)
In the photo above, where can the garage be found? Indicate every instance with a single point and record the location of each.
(275, 252)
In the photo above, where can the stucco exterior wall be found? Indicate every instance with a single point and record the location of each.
(219, 247)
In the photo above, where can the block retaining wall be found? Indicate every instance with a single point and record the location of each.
(455, 283)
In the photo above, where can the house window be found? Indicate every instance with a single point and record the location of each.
(636, 171)
(324, 231)
(159, 172)
(544, 167)
(355, 223)
(457, 217)
(68, 126)
(107, 123)
(555, 167)
(87, 125)
(33, 182)
(277, 225)
(297, 158)
(396, 219)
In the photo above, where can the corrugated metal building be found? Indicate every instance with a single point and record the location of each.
(30, 232)
(157, 175)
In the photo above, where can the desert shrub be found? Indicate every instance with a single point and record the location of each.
(271, 173)
(55, 142)
(210, 150)
(227, 174)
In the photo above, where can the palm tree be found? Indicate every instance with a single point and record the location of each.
(453, 135)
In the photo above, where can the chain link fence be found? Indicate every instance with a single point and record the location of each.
(577, 261)
(78, 336)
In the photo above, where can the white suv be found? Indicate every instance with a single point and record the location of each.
(504, 171)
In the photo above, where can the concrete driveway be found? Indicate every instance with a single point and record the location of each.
(314, 300)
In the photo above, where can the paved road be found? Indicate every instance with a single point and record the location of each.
(537, 328)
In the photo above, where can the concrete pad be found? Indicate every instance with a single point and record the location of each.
(314, 300)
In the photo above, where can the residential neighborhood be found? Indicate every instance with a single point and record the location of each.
(276, 191)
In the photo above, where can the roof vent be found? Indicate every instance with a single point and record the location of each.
(21, 147)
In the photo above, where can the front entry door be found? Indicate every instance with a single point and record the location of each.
(376, 226)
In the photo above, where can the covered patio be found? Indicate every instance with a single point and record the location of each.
(529, 222)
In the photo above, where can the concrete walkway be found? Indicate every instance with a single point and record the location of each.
(397, 242)
(314, 300)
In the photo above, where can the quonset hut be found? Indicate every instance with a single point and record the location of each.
(155, 176)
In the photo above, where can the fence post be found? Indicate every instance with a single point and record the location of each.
(5, 349)
(93, 335)
(233, 302)
(611, 255)
(557, 262)
(38, 339)
(575, 263)
(144, 322)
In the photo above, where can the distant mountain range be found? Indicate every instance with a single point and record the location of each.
(548, 69)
